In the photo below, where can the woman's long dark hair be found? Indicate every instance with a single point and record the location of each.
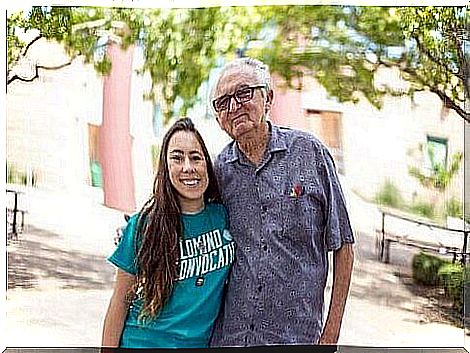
(160, 229)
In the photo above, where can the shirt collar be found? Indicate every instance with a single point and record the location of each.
(277, 142)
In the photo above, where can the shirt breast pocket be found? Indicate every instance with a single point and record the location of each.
(301, 216)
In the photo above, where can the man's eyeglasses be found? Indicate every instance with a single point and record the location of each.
(241, 95)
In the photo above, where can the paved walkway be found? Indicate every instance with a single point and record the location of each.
(59, 283)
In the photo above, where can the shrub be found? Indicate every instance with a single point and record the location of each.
(423, 209)
(389, 195)
(454, 208)
(451, 276)
(432, 270)
(425, 268)
(15, 176)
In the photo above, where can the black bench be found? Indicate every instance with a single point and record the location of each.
(15, 213)
(385, 237)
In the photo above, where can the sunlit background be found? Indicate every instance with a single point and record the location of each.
(92, 90)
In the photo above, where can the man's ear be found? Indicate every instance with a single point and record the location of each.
(269, 100)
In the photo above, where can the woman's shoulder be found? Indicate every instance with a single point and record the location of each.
(134, 219)
(133, 222)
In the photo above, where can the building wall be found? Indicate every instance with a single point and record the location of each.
(377, 145)
(50, 119)
(287, 106)
(382, 144)
(47, 129)
(141, 131)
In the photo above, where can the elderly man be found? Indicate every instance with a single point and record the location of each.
(286, 212)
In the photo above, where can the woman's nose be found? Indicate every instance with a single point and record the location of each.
(187, 165)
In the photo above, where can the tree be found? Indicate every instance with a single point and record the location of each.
(441, 61)
(343, 46)
(180, 45)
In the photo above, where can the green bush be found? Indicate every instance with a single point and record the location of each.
(425, 268)
(389, 195)
(15, 176)
(432, 270)
(454, 208)
(423, 209)
(451, 277)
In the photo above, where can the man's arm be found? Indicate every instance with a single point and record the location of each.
(342, 267)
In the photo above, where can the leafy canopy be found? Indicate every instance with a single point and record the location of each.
(342, 46)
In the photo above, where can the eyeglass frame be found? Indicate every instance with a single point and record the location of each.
(233, 96)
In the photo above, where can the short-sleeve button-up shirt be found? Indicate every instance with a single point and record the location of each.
(285, 215)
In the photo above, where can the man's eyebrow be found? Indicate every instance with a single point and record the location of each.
(243, 85)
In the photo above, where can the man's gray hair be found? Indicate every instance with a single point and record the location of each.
(260, 69)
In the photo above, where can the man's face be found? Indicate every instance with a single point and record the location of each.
(239, 98)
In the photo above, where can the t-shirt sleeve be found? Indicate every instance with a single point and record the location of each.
(338, 227)
(125, 254)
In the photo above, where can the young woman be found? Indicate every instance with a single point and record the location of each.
(174, 256)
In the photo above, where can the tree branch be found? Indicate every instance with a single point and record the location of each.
(24, 52)
(464, 69)
(422, 48)
(26, 48)
(449, 103)
(36, 75)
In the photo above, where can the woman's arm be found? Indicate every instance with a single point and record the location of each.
(117, 310)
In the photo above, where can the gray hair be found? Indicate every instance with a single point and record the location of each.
(260, 69)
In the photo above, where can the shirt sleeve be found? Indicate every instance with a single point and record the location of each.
(338, 227)
(225, 214)
(125, 254)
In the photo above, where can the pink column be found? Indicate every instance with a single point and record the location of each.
(287, 107)
(115, 139)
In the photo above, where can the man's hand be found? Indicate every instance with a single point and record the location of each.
(119, 231)
(329, 336)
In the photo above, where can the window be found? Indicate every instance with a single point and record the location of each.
(435, 153)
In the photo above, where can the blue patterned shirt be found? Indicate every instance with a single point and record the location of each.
(285, 215)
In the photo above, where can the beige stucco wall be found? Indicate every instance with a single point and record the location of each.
(382, 144)
(141, 130)
(47, 123)
(47, 119)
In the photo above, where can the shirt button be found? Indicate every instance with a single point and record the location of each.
(252, 327)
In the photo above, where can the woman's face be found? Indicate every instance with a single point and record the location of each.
(188, 170)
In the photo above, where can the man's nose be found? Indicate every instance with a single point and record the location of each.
(234, 105)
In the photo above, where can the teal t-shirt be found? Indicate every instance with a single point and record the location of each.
(206, 254)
